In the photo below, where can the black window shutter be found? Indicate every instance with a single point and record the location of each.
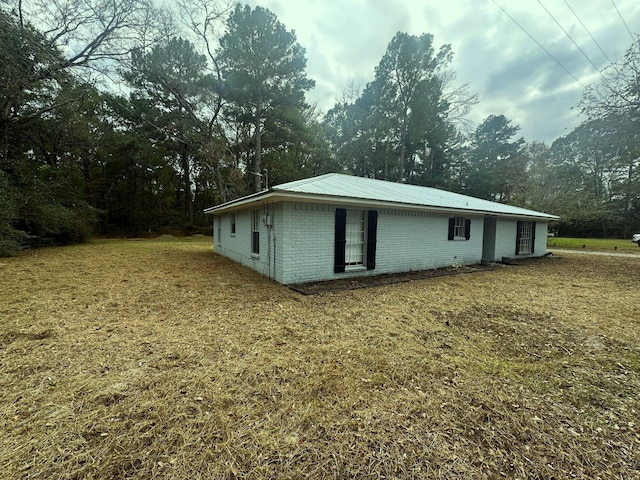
(467, 228)
(340, 240)
(452, 224)
(533, 236)
(372, 234)
(518, 232)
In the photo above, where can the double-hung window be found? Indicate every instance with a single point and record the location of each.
(459, 228)
(255, 232)
(354, 236)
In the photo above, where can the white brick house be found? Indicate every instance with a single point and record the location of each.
(338, 226)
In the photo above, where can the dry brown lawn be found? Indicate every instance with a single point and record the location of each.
(160, 359)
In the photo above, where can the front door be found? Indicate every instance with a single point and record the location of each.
(489, 239)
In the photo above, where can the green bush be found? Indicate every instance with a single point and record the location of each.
(11, 239)
(56, 224)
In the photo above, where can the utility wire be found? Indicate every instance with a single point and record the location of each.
(588, 32)
(605, 80)
(569, 36)
(633, 39)
(540, 45)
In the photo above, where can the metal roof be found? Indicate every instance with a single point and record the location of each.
(335, 187)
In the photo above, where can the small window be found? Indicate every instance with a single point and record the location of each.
(233, 224)
(255, 232)
(459, 228)
(219, 233)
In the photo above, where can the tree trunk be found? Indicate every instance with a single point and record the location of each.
(403, 138)
(627, 194)
(257, 162)
(5, 143)
(186, 171)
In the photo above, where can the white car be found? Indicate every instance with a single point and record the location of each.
(636, 238)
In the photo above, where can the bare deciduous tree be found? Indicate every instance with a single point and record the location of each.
(459, 100)
(619, 90)
(93, 33)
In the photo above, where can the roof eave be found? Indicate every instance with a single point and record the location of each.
(237, 203)
(274, 195)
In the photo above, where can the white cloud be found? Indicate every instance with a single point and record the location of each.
(512, 75)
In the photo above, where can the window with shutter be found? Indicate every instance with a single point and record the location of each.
(355, 239)
(459, 228)
(340, 239)
(372, 238)
(255, 232)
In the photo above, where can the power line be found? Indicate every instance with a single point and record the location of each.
(588, 32)
(625, 23)
(540, 45)
(569, 37)
(609, 80)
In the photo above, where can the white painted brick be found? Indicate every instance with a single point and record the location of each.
(406, 241)
(506, 239)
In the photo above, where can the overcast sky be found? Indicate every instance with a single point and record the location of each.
(512, 75)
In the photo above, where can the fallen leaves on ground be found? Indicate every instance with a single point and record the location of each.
(159, 358)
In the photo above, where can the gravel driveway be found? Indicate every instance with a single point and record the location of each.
(588, 252)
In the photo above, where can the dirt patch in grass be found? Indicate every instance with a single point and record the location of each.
(160, 359)
(356, 283)
(371, 281)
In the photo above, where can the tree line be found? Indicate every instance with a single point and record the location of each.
(122, 117)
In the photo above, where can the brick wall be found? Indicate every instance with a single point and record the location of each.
(406, 241)
(238, 247)
(506, 239)
(299, 247)
(308, 245)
